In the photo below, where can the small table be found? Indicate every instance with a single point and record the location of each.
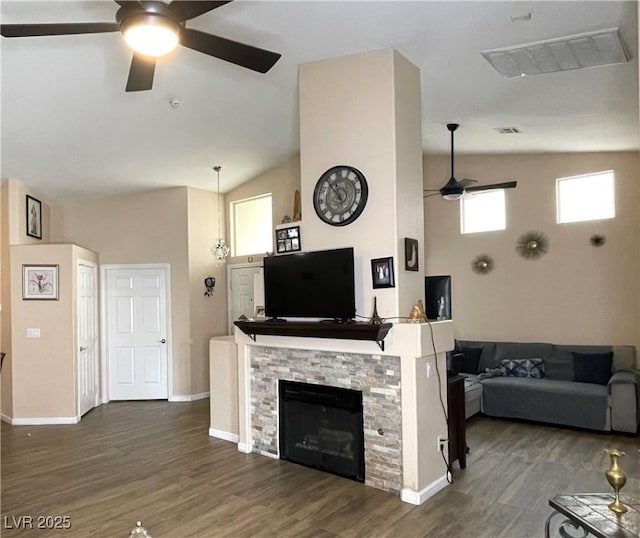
(590, 513)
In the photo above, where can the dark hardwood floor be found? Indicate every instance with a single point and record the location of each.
(154, 462)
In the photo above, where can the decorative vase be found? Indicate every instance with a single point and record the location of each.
(617, 479)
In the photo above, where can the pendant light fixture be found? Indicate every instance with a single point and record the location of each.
(219, 250)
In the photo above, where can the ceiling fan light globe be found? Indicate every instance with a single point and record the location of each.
(151, 35)
(453, 196)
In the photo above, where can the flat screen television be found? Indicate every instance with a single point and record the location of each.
(437, 290)
(310, 285)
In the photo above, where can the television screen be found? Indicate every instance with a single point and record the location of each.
(310, 285)
(437, 295)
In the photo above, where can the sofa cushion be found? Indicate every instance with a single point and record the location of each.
(624, 358)
(593, 367)
(523, 368)
(488, 352)
(471, 360)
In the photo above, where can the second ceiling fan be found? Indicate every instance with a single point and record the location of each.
(454, 189)
(157, 24)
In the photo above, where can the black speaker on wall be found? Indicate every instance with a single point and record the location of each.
(437, 295)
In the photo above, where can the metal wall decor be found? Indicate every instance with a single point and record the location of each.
(532, 245)
(210, 284)
(597, 240)
(482, 264)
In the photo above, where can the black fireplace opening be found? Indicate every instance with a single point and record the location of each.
(322, 427)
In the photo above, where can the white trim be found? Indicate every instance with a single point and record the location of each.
(246, 448)
(225, 436)
(269, 454)
(104, 344)
(418, 497)
(5, 418)
(44, 421)
(189, 397)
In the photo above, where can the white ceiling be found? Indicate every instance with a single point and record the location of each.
(70, 131)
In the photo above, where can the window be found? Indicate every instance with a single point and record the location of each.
(586, 197)
(251, 226)
(482, 212)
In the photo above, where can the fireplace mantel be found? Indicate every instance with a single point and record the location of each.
(421, 349)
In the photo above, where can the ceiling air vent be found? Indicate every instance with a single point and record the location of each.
(590, 49)
(508, 130)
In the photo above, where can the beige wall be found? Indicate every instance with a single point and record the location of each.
(149, 227)
(208, 315)
(575, 294)
(378, 132)
(282, 182)
(45, 368)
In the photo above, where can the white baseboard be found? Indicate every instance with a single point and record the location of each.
(269, 454)
(225, 436)
(190, 397)
(418, 497)
(44, 421)
(245, 448)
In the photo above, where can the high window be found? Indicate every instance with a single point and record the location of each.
(586, 197)
(251, 226)
(483, 211)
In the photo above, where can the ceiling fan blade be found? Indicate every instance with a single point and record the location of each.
(231, 51)
(505, 185)
(430, 195)
(66, 28)
(141, 73)
(466, 182)
(129, 3)
(184, 10)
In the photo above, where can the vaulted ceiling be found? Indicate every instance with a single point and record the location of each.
(70, 131)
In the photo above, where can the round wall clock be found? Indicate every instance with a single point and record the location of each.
(340, 195)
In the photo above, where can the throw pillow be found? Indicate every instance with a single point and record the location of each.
(471, 359)
(592, 367)
(523, 368)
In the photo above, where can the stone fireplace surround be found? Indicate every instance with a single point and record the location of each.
(400, 397)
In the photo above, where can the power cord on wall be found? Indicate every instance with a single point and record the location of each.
(444, 408)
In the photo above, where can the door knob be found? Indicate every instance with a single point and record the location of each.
(163, 341)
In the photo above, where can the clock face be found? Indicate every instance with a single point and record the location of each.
(340, 195)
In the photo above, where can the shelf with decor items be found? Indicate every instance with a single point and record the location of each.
(317, 329)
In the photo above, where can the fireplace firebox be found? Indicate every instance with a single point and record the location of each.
(322, 427)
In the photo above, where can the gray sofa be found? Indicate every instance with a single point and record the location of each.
(557, 398)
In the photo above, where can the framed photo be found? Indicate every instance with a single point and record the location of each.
(260, 313)
(34, 217)
(410, 254)
(382, 273)
(288, 239)
(40, 282)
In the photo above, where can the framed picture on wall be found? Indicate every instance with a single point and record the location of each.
(34, 217)
(288, 239)
(382, 273)
(410, 254)
(40, 282)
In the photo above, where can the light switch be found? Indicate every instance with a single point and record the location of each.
(33, 333)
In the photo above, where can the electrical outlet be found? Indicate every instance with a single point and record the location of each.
(442, 443)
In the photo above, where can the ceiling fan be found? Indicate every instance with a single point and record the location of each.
(454, 189)
(152, 29)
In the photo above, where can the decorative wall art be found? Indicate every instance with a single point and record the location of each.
(209, 284)
(288, 239)
(532, 245)
(482, 264)
(410, 254)
(382, 273)
(40, 282)
(34, 217)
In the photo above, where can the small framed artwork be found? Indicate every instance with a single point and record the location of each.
(410, 254)
(260, 313)
(382, 273)
(34, 217)
(288, 239)
(40, 282)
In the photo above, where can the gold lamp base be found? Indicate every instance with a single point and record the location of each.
(617, 507)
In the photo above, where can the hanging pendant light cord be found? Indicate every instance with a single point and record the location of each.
(217, 170)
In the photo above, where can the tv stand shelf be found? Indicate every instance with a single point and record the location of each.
(317, 329)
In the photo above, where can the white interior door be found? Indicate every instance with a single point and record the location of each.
(87, 336)
(137, 333)
(241, 292)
